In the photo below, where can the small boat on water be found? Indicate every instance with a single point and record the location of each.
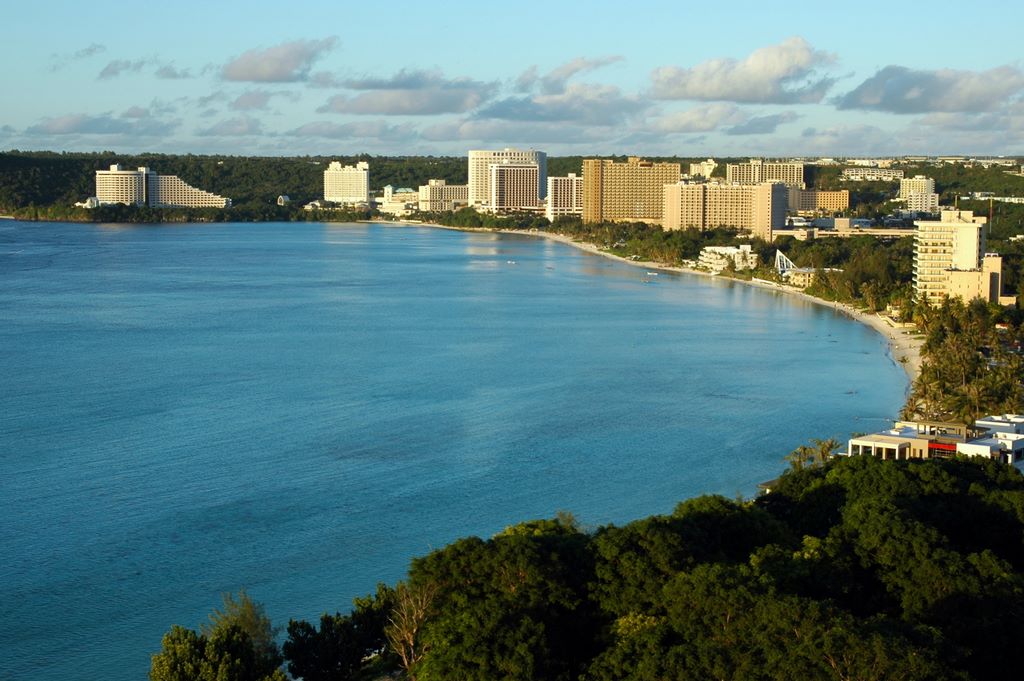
(652, 274)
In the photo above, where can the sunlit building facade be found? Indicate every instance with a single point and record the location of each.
(630, 191)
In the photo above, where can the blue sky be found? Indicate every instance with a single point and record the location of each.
(656, 78)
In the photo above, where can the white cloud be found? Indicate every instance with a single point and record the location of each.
(778, 74)
(233, 127)
(410, 93)
(252, 100)
(169, 72)
(287, 62)
(497, 132)
(763, 125)
(356, 130)
(405, 102)
(555, 80)
(897, 89)
(103, 124)
(119, 66)
(704, 118)
(580, 103)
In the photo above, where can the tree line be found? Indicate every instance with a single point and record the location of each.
(850, 569)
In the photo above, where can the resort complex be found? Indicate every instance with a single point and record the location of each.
(143, 187)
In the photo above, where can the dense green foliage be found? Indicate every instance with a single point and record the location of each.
(853, 568)
(972, 363)
(238, 644)
(337, 649)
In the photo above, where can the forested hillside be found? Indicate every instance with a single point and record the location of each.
(855, 569)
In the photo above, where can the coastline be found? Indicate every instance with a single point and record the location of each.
(903, 348)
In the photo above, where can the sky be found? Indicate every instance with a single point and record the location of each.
(640, 77)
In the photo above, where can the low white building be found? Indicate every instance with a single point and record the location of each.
(438, 195)
(398, 202)
(718, 258)
(1002, 423)
(703, 169)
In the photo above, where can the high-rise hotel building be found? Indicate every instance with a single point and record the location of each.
(565, 196)
(619, 192)
(757, 171)
(143, 187)
(950, 259)
(513, 186)
(757, 209)
(480, 162)
(919, 184)
(347, 184)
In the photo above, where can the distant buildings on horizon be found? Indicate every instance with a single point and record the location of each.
(143, 187)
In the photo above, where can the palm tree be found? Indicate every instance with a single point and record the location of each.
(824, 450)
(799, 457)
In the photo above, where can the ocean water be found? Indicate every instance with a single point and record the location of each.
(300, 409)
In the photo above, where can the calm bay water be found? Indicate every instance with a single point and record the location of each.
(300, 409)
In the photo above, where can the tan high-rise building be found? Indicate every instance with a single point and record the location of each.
(437, 195)
(950, 259)
(630, 191)
(513, 186)
(812, 201)
(757, 171)
(479, 171)
(757, 209)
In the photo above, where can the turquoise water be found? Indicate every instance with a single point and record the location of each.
(300, 409)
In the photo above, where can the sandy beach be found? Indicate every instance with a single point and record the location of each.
(904, 344)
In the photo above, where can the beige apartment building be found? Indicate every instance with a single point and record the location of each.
(703, 169)
(479, 170)
(757, 209)
(347, 184)
(816, 201)
(437, 195)
(950, 259)
(630, 191)
(565, 196)
(513, 186)
(143, 187)
(919, 184)
(872, 174)
(757, 171)
(923, 203)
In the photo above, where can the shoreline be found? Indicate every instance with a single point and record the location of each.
(904, 349)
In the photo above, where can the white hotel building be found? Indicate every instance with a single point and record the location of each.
(480, 162)
(347, 184)
(565, 196)
(143, 187)
(437, 195)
